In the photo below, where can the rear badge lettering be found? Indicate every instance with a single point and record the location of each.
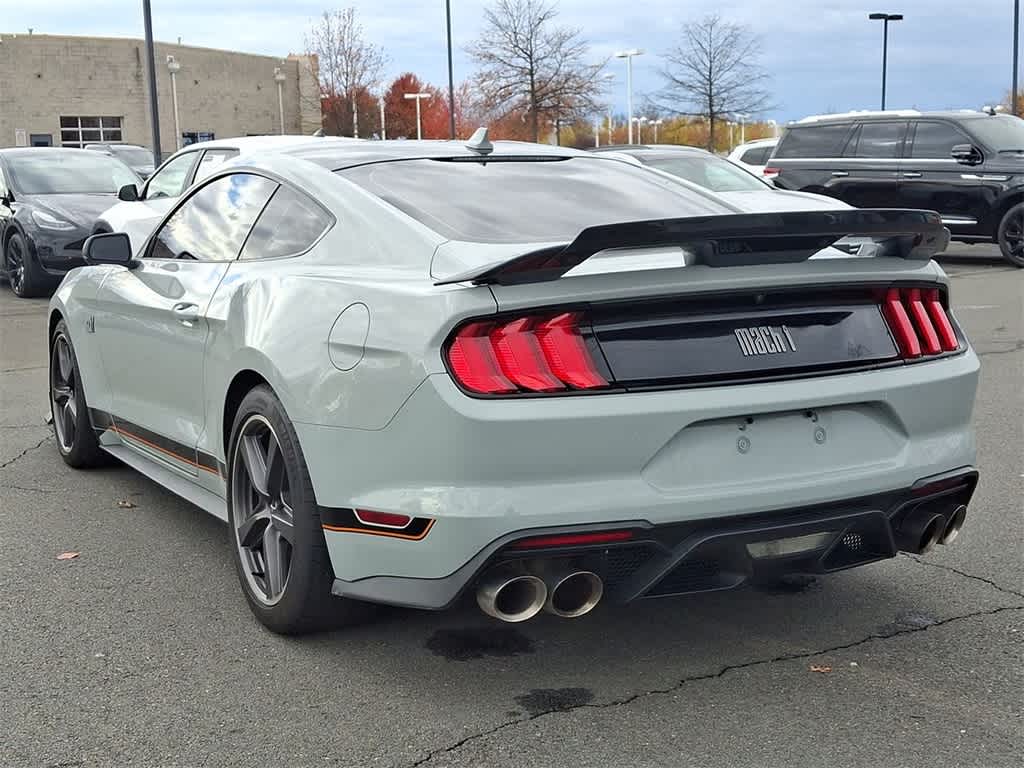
(765, 340)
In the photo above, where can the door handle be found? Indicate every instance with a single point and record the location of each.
(911, 175)
(186, 313)
(840, 174)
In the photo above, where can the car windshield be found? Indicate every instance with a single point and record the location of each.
(707, 171)
(133, 155)
(66, 172)
(527, 201)
(1003, 133)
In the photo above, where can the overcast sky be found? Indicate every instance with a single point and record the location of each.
(822, 54)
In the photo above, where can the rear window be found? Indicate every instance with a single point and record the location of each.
(813, 141)
(756, 156)
(502, 201)
(706, 170)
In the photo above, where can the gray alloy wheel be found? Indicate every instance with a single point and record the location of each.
(1011, 235)
(263, 515)
(15, 258)
(77, 442)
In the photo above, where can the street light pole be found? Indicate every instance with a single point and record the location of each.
(1016, 57)
(419, 124)
(154, 112)
(173, 66)
(628, 56)
(656, 123)
(885, 18)
(279, 78)
(451, 74)
(383, 127)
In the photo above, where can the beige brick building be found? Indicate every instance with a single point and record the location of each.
(67, 91)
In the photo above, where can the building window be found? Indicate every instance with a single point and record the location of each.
(79, 131)
(194, 137)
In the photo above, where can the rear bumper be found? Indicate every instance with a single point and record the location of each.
(704, 556)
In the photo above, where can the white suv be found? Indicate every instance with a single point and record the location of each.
(754, 156)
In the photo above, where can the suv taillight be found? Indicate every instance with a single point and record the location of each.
(919, 322)
(529, 353)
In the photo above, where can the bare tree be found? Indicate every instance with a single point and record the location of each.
(528, 63)
(349, 64)
(713, 72)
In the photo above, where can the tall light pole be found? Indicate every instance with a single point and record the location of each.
(885, 18)
(628, 56)
(608, 77)
(1016, 58)
(383, 127)
(173, 66)
(154, 112)
(775, 128)
(451, 73)
(279, 78)
(656, 123)
(419, 124)
(743, 126)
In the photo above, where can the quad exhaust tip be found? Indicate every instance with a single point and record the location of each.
(921, 531)
(511, 597)
(956, 522)
(573, 594)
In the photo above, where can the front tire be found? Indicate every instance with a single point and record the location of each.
(276, 539)
(1010, 235)
(72, 427)
(26, 277)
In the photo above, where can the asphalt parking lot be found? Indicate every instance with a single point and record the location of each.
(141, 651)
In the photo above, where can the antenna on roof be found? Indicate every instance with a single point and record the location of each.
(479, 142)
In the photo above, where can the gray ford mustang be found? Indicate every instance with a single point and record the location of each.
(408, 371)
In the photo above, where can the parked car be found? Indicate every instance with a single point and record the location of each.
(139, 159)
(383, 365)
(49, 199)
(722, 177)
(141, 208)
(754, 156)
(968, 166)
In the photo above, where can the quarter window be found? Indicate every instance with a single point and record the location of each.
(212, 223)
(936, 140)
(76, 132)
(169, 181)
(880, 140)
(289, 224)
(756, 156)
(212, 158)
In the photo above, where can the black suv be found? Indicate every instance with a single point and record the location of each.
(968, 166)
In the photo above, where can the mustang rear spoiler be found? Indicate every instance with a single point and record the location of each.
(731, 240)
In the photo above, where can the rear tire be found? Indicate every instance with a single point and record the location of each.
(1010, 235)
(25, 276)
(276, 540)
(77, 442)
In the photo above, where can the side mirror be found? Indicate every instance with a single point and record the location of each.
(966, 154)
(109, 248)
(129, 193)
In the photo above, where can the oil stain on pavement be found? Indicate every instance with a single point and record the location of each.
(542, 700)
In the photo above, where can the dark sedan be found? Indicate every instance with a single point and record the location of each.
(49, 201)
(139, 159)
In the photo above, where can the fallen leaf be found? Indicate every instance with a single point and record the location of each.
(125, 504)
(67, 555)
(822, 670)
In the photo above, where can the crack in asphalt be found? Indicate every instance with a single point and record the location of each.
(709, 676)
(25, 452)
(30, 489)
(951, 569)
(26, 368)
(1018, 346)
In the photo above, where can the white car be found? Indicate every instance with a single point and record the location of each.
(140, 210)
(754, 156)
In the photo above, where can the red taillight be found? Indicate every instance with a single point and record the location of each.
(919, 322)
(386, 519)
(531, 353)
(769, 171)
(573, 539)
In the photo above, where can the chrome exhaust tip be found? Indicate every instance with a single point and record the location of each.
(511, 597)
(921, 532)
(956, 522)
(573, 594)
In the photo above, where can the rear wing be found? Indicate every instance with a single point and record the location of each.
(733, 240)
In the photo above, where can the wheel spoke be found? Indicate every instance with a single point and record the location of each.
(67, 414)
(275, 560)
(281, 521)
(251, 531)
(64, 361)
(275, 470)
(255, 463)
(62, 393)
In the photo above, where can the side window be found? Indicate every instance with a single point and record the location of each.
(813, 141)
(289, 224)
(756, 156)
(169, 181)
(212, 223)
(936, 140)
(212, 158)
(880, 140)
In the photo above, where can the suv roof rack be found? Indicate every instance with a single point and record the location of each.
(862, 113)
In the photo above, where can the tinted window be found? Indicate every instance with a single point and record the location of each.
(878, 140)
(169, 181)
(1002, 133)
(936, 140)
(289, 224)
(67, 171)
(212, 224)
(706, 171)
(212, 158)
(527, 201)
(756, 156)
(813, 141)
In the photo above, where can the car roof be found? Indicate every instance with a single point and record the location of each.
(874, 115)
(254, 143)
(642, 148)
(20, 151)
